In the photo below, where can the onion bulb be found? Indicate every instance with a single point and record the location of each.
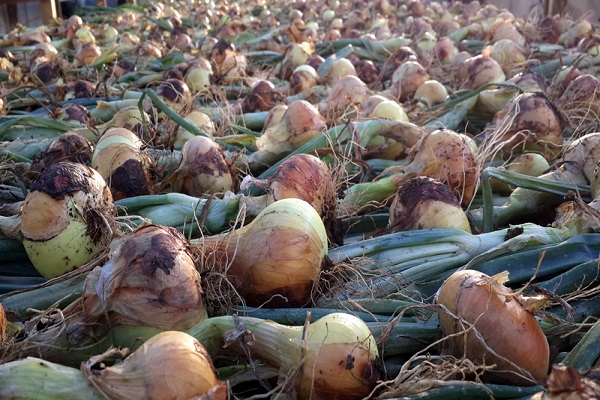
(276, 258)
(446, 156)
(532, 164)
(479, 70)
(425, 203)
(508, 334)
(528, 122)
(150, 280)
(262, 97)
(300, 123)
(431, 92)
(120, 160)
(407, 78)
(347, 92)
(203, 169)
(198, 75)
(337, 354)
(199, 120)
(67, 218)
(171, 365)
(303, 78)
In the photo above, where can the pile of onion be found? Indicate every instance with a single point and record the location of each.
(491, 324)
(67, 218)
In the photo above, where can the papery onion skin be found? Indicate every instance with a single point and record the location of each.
(203, 169)
(502, 321)
(66, 218)
(171, 365)
(151, 280)
(277, 258)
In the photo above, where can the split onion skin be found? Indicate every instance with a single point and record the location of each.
(507, 327)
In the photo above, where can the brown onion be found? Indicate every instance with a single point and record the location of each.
(508, 335)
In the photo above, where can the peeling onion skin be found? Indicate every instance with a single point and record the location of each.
(507, 327)
(203, 169)
(66, 218)
(151, 280)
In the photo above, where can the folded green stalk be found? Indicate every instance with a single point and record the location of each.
(187, 213)
(394, 264)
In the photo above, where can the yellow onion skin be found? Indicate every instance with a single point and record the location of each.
(446, 156)
(425, 203)
(507, 327)
(347, 92)
(151, 280)
(305, 177)
(171, 365)
(279, 254)
(203, 169)
(479, 70)
(66, 218)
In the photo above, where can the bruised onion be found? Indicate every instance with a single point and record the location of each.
(171, 365)
(203, 169)
(150, 280)
(490, 324)
(276, 258)
(67, 218)
(125, 166)
(262, 97)
(425, 203)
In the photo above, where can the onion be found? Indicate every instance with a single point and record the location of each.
(262, 97)
(479, 70)
(171, 365)
(337, 354)
(390, 109)
(303, 78)
(508, 54)
(67, 218)
(150, 280)
(73, 112)
(69, 146)
(347, 92)
(88, 53)
(508, 334)
(203, 169)
(527, 122)
(175, 93)
(340, 68)
(301, 123)
(446, 156)
(198, 76)
(407, 78)
(276, 258)
(120, 160)
(431, 92)
(425, 203)
(199, 120)
(295, 55)
(532, 164)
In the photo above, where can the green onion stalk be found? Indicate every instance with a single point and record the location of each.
(392, 266)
